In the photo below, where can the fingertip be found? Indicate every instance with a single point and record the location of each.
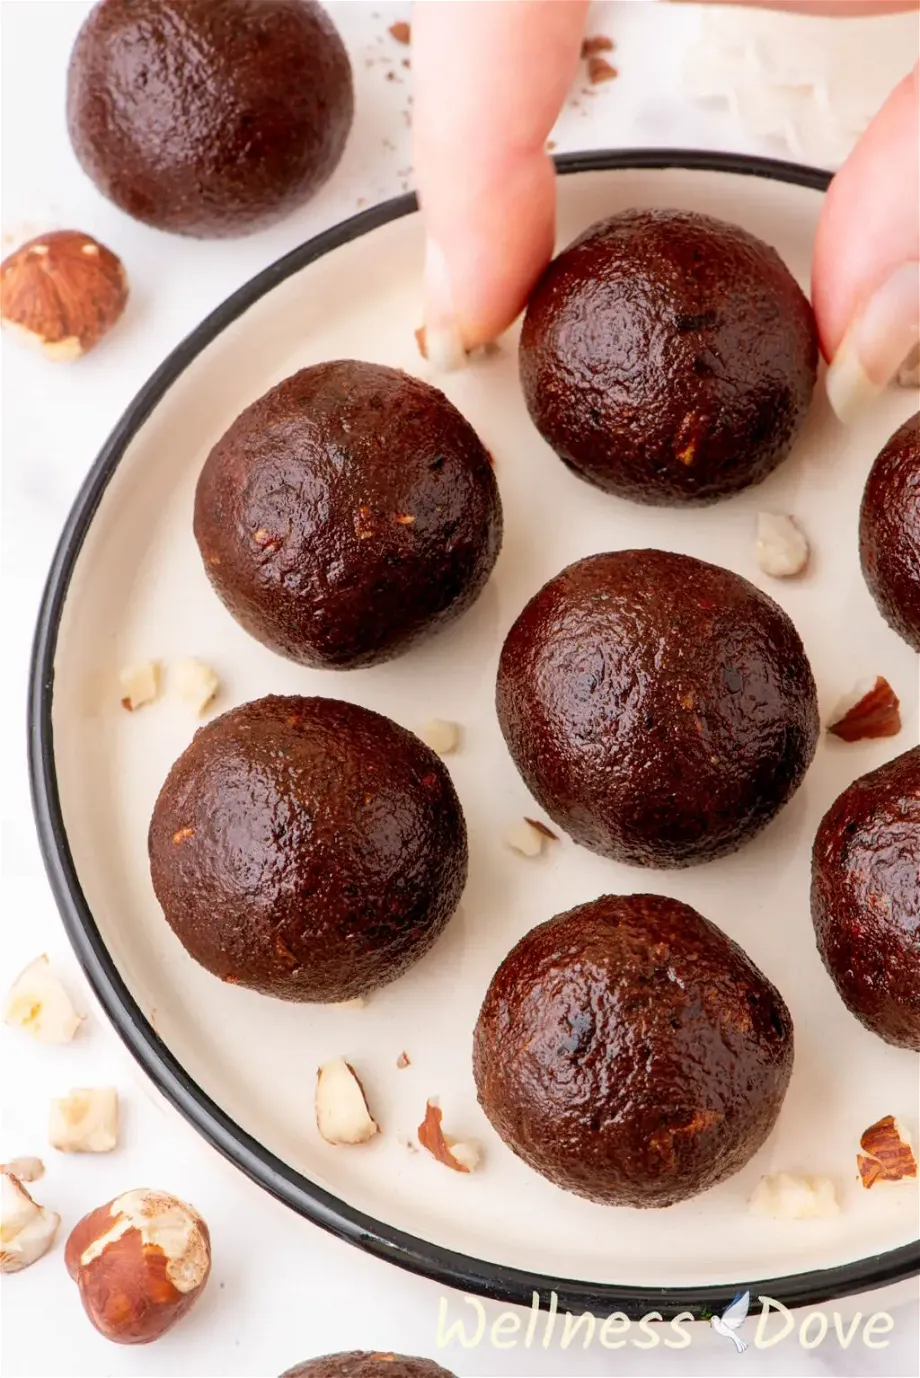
(870, 221)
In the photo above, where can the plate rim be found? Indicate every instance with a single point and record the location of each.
(461, 1272)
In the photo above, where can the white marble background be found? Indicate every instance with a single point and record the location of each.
(282, 1291)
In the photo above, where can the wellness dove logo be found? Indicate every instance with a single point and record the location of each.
(732, 1319)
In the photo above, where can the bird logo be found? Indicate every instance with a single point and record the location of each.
(732, 1319)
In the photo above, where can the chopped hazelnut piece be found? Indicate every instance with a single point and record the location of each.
(875, 714)
(443, 737)
(25, 1169)
(85, 1121)
(784, 1196)
(453, 1153)
(782, 550)
(401, 31)
(526, 838)
(342, 1116)
(140, 683)
(38, 1003)
(197, 684)
(27, 1229)
(887, 1155)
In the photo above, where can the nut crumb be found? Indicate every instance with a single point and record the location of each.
(403, 1061)
(784, 1196)
(598, 43)
(401, 31)
(405, 519)
(455, 1154)
(887, 1155)
(141, 684)
(875, 714)
(600, 70)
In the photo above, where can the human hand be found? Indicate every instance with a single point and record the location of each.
(490, 80)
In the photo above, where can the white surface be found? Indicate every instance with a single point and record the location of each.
(282, 1291)
(801, 78)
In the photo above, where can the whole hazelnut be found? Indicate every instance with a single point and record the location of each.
(62, 292)
(140, 1262)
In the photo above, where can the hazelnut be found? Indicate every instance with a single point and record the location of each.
(342, 1116)
(27, 1230)
(784, 1196)
(85, 1121)
(62, 292)
(38, 1003)
(140, 683)
(140, 1262)
(197, 684)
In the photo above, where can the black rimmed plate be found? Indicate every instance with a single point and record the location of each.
(127, 584)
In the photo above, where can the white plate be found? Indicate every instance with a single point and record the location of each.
(128, 584)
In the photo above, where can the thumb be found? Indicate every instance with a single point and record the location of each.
(866, 270)
(490, 80)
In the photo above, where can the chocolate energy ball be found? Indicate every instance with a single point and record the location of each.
(347, 513)
(889, 532)
(632, 1053)
(360, 1364)
(865, 898)
(661, 710)
(209, 117)
(668, 357)
(307, 848)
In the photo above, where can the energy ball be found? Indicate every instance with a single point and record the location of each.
(209, 117)
(669, 357)
(631, 1053)
(660, 709)
(348, 513)
(865, 899)
(307, 848)
(360, 1364)
(889, 532)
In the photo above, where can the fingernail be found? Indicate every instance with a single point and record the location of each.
(880, 338)
(443, 341)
